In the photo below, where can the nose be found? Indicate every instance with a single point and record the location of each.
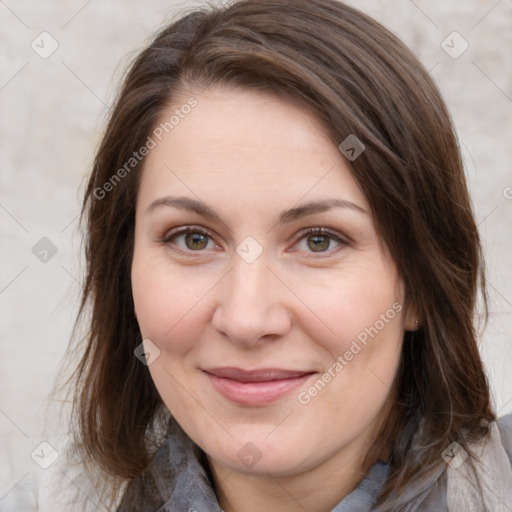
(251, 304)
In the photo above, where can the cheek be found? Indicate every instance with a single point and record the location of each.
(169, 304)
(361, 302)
(363, 311)
(171, 313)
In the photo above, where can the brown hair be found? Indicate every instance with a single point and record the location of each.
(357, 78)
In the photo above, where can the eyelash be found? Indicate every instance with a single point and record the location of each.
(169, 237)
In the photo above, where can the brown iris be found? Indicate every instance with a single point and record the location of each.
(318, 243)
(196, 241)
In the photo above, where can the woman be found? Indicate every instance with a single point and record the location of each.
(282, 271)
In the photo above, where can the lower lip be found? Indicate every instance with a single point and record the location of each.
(256, 393)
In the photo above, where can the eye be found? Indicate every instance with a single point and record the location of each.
(319, 240)
(189, 239)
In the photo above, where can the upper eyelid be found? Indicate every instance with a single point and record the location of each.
(185, 229)
(323, 231)
(302, 232)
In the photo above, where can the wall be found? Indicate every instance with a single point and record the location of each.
(53, 108)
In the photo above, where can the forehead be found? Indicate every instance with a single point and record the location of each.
(245, 143)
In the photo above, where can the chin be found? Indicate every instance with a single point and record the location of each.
(262, 456)
(271, 464)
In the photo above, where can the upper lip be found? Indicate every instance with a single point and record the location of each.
(261, 375)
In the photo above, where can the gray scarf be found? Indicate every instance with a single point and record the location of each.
(492, 490)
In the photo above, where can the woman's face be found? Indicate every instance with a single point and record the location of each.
(274, 321)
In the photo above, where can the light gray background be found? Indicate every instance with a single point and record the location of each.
(52, 116)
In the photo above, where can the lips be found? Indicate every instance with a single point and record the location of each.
(255, 387)
(264, 375)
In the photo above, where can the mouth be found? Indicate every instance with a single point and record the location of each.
(255, 387)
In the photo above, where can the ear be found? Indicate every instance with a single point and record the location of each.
(411, 320)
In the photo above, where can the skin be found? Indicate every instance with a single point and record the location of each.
(250, 156)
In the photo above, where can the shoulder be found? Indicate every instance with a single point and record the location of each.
(505, 428)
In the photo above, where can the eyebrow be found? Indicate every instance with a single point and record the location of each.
(194, 205)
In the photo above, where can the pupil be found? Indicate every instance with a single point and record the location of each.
(196, 241)
(319, 242)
